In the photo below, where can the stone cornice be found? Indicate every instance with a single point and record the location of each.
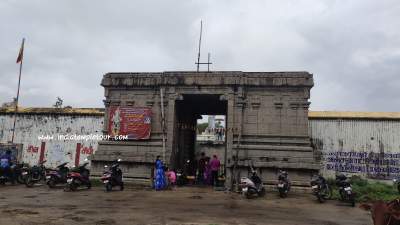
(217, 78)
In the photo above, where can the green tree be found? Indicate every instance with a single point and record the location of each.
(201, 127)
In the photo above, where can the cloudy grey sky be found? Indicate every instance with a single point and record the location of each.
(351, 47)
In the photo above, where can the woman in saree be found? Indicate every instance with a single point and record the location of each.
(207, 172)
(160, 177)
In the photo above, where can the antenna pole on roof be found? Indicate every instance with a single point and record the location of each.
(208, 63)
(198, 55)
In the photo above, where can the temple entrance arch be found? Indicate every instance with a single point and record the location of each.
(266, 121)
(188, 110)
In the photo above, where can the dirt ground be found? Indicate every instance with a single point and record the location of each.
(40, 205)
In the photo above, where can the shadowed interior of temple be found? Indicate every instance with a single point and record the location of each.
(188, 110)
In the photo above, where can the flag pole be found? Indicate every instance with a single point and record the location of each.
(21, 57)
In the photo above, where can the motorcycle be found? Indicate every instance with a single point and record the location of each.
(20, 172)
(320, 188)
(181, 174)
(252, 186)
(345, 190)
(58, 176)
(78, 177)
(112, 177)
(35, 174)
(283, 184)
(180, 178)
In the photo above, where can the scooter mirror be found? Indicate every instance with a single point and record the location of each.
(119, 160)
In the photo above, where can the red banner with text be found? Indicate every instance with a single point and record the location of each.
(132, 121)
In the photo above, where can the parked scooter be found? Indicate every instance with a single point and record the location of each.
(180, 178)
(345, 189)
(78, 176)
(113, 177)
(35, 174)
(320, 188)
(181, 174)
(252, 186)
(20, 172)
(58, 176)
(283, 184)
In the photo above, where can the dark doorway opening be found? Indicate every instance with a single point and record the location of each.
(188, 111)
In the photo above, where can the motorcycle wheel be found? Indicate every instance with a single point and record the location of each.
(262, 192)
(352, 201)
(248, 195)
(89, 185)
(121, 187)
(67, 187)
(108, 187)
(51, 183)
(71, 186)
(398, 187)
(341, 195)
(321, 199)
(282, 193)
(328, 193)
(29, 181)
(20, 179)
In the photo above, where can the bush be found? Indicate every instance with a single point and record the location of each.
(366, 190)
(371, 191)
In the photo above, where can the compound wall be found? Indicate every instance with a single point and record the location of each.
(38, 134)
(368, 146)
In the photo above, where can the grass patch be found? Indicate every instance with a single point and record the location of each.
(367, 191)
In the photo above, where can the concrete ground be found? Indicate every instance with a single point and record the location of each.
(40, 205)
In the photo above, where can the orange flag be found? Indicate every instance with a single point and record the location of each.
(21, 52)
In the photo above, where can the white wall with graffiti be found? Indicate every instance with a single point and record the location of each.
(364, 144)
(39, 135)
(366, 147)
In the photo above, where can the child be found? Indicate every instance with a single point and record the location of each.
(171, 178)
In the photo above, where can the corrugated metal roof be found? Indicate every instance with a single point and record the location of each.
(353, 115)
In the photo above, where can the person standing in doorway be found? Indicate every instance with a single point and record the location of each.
(214, 164)
(160, 176)
(201, 168)
(207, 171)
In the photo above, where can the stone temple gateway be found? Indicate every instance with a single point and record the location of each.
(266, 121)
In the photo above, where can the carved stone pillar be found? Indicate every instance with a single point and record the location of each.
(170, 124)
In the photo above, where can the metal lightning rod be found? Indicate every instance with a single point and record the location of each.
(198, 55)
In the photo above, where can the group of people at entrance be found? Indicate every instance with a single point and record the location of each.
(208, 170)
(206, 173)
